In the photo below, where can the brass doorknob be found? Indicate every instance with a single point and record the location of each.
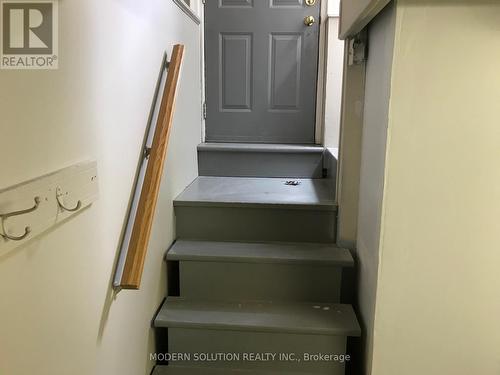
(309, 21)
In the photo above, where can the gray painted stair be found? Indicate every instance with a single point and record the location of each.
(185, 370)
(260, 160)
(254, 268)
(256, 209)
(258, 192)
(258, 327)
(299, 272)
(319, 254)
(294, 318)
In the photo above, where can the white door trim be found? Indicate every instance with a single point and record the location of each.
(322, 61)
(202, 67)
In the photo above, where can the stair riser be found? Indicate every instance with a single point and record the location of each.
(259, 282)
(189, 370)
(187, 340)
(260, 164)
(255, 224)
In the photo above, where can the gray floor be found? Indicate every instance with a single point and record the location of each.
(260, 160)
(261, 147)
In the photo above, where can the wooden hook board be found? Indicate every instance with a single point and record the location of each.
(60, 195)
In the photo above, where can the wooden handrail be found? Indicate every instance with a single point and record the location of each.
(143, 221)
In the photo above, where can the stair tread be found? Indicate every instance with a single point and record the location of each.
(257, 192)
(282, 317)
(261, 147)
(274, 252)
(188, 370)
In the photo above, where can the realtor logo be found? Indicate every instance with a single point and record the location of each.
(29, 34)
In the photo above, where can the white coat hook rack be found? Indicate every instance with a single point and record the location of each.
(57, 197)
(27, 230)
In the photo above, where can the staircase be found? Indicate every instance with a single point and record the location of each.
(254, 277)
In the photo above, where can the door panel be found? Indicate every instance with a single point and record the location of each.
(285, 68)
(235, 3)
(261, 62)
(236, 72)
(286, 3)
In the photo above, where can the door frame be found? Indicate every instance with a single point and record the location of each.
(203, 73)
(320, 84)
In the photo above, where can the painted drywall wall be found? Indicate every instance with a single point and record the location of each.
(356, 14)
(58, 315)
(333, 85)
(353, 93)
(371, 187)
(438, 298)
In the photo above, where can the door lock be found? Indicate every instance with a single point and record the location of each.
(309, 20)
(310, 3)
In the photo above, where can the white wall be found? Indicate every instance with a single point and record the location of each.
(371, 186)
(333, 86)
(333, 8)
(438, 298)
(58, 315)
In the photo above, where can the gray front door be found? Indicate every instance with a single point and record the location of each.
(261, 70)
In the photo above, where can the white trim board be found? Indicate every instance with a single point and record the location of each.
(203, 75)
(333, 8)
(321, 82)
(188, 10)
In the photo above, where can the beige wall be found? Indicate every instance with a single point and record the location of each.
(438, 298)
(351, 129)
(57, 314)
(373, 154)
